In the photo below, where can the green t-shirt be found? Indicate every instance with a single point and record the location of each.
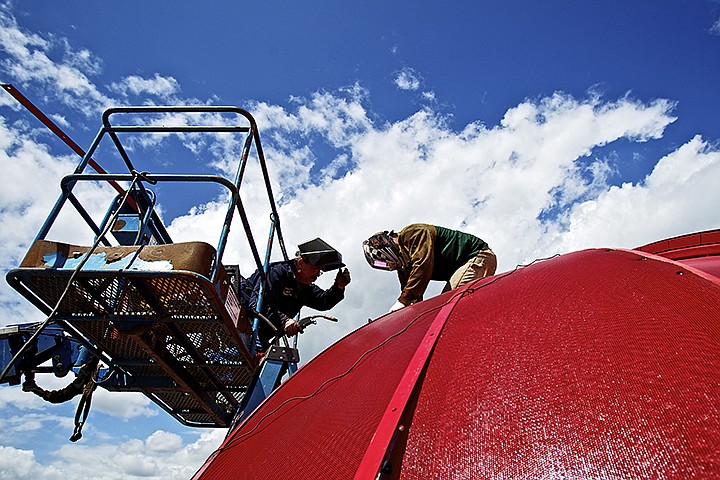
(452, 250)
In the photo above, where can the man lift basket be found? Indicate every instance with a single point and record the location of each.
(162, 317)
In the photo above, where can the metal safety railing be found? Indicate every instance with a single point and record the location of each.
(252, 139)
(191, 353)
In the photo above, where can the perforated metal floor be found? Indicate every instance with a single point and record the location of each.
(168, 331)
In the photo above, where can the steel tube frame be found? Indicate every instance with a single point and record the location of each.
(235, 203)
(68, 183)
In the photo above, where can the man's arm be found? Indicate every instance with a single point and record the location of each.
(418, 241)
(319, 299)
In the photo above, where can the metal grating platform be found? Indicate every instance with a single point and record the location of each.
(170, 334)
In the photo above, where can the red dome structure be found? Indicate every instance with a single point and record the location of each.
(602, 363)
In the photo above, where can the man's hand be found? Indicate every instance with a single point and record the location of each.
(342, 278)
(292, 327)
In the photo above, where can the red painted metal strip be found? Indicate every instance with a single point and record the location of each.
(682, 242)
(662, 258)
(23, 100)
(378, 446)
(692, 252)
(712, 236)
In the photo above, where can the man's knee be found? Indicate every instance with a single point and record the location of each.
(483, 265)
(489, 262)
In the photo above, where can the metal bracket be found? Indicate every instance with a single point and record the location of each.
(283, 354)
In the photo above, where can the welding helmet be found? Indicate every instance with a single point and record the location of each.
(381, 252)
(318, 253)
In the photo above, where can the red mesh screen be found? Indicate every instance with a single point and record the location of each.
(599, 364)
(319, 423)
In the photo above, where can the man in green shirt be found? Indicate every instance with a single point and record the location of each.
(421, 252)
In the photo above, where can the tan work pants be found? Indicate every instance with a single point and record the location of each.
(483, 265)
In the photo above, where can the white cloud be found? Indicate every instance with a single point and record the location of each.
(715, 29)
(161, 441)
(27, 162)
(126, 405)
(407, 79)
(429, 96)
(14, 397)
(162, 455)
(67, 73)
(672, 200)
(159, 86)
(21, 464)
(31, 59)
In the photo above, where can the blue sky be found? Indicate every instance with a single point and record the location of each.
(542, 127)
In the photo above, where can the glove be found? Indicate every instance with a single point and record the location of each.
(396, 306)
(292, 327)
(342, 278)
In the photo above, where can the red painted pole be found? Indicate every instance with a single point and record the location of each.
(58, 131)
